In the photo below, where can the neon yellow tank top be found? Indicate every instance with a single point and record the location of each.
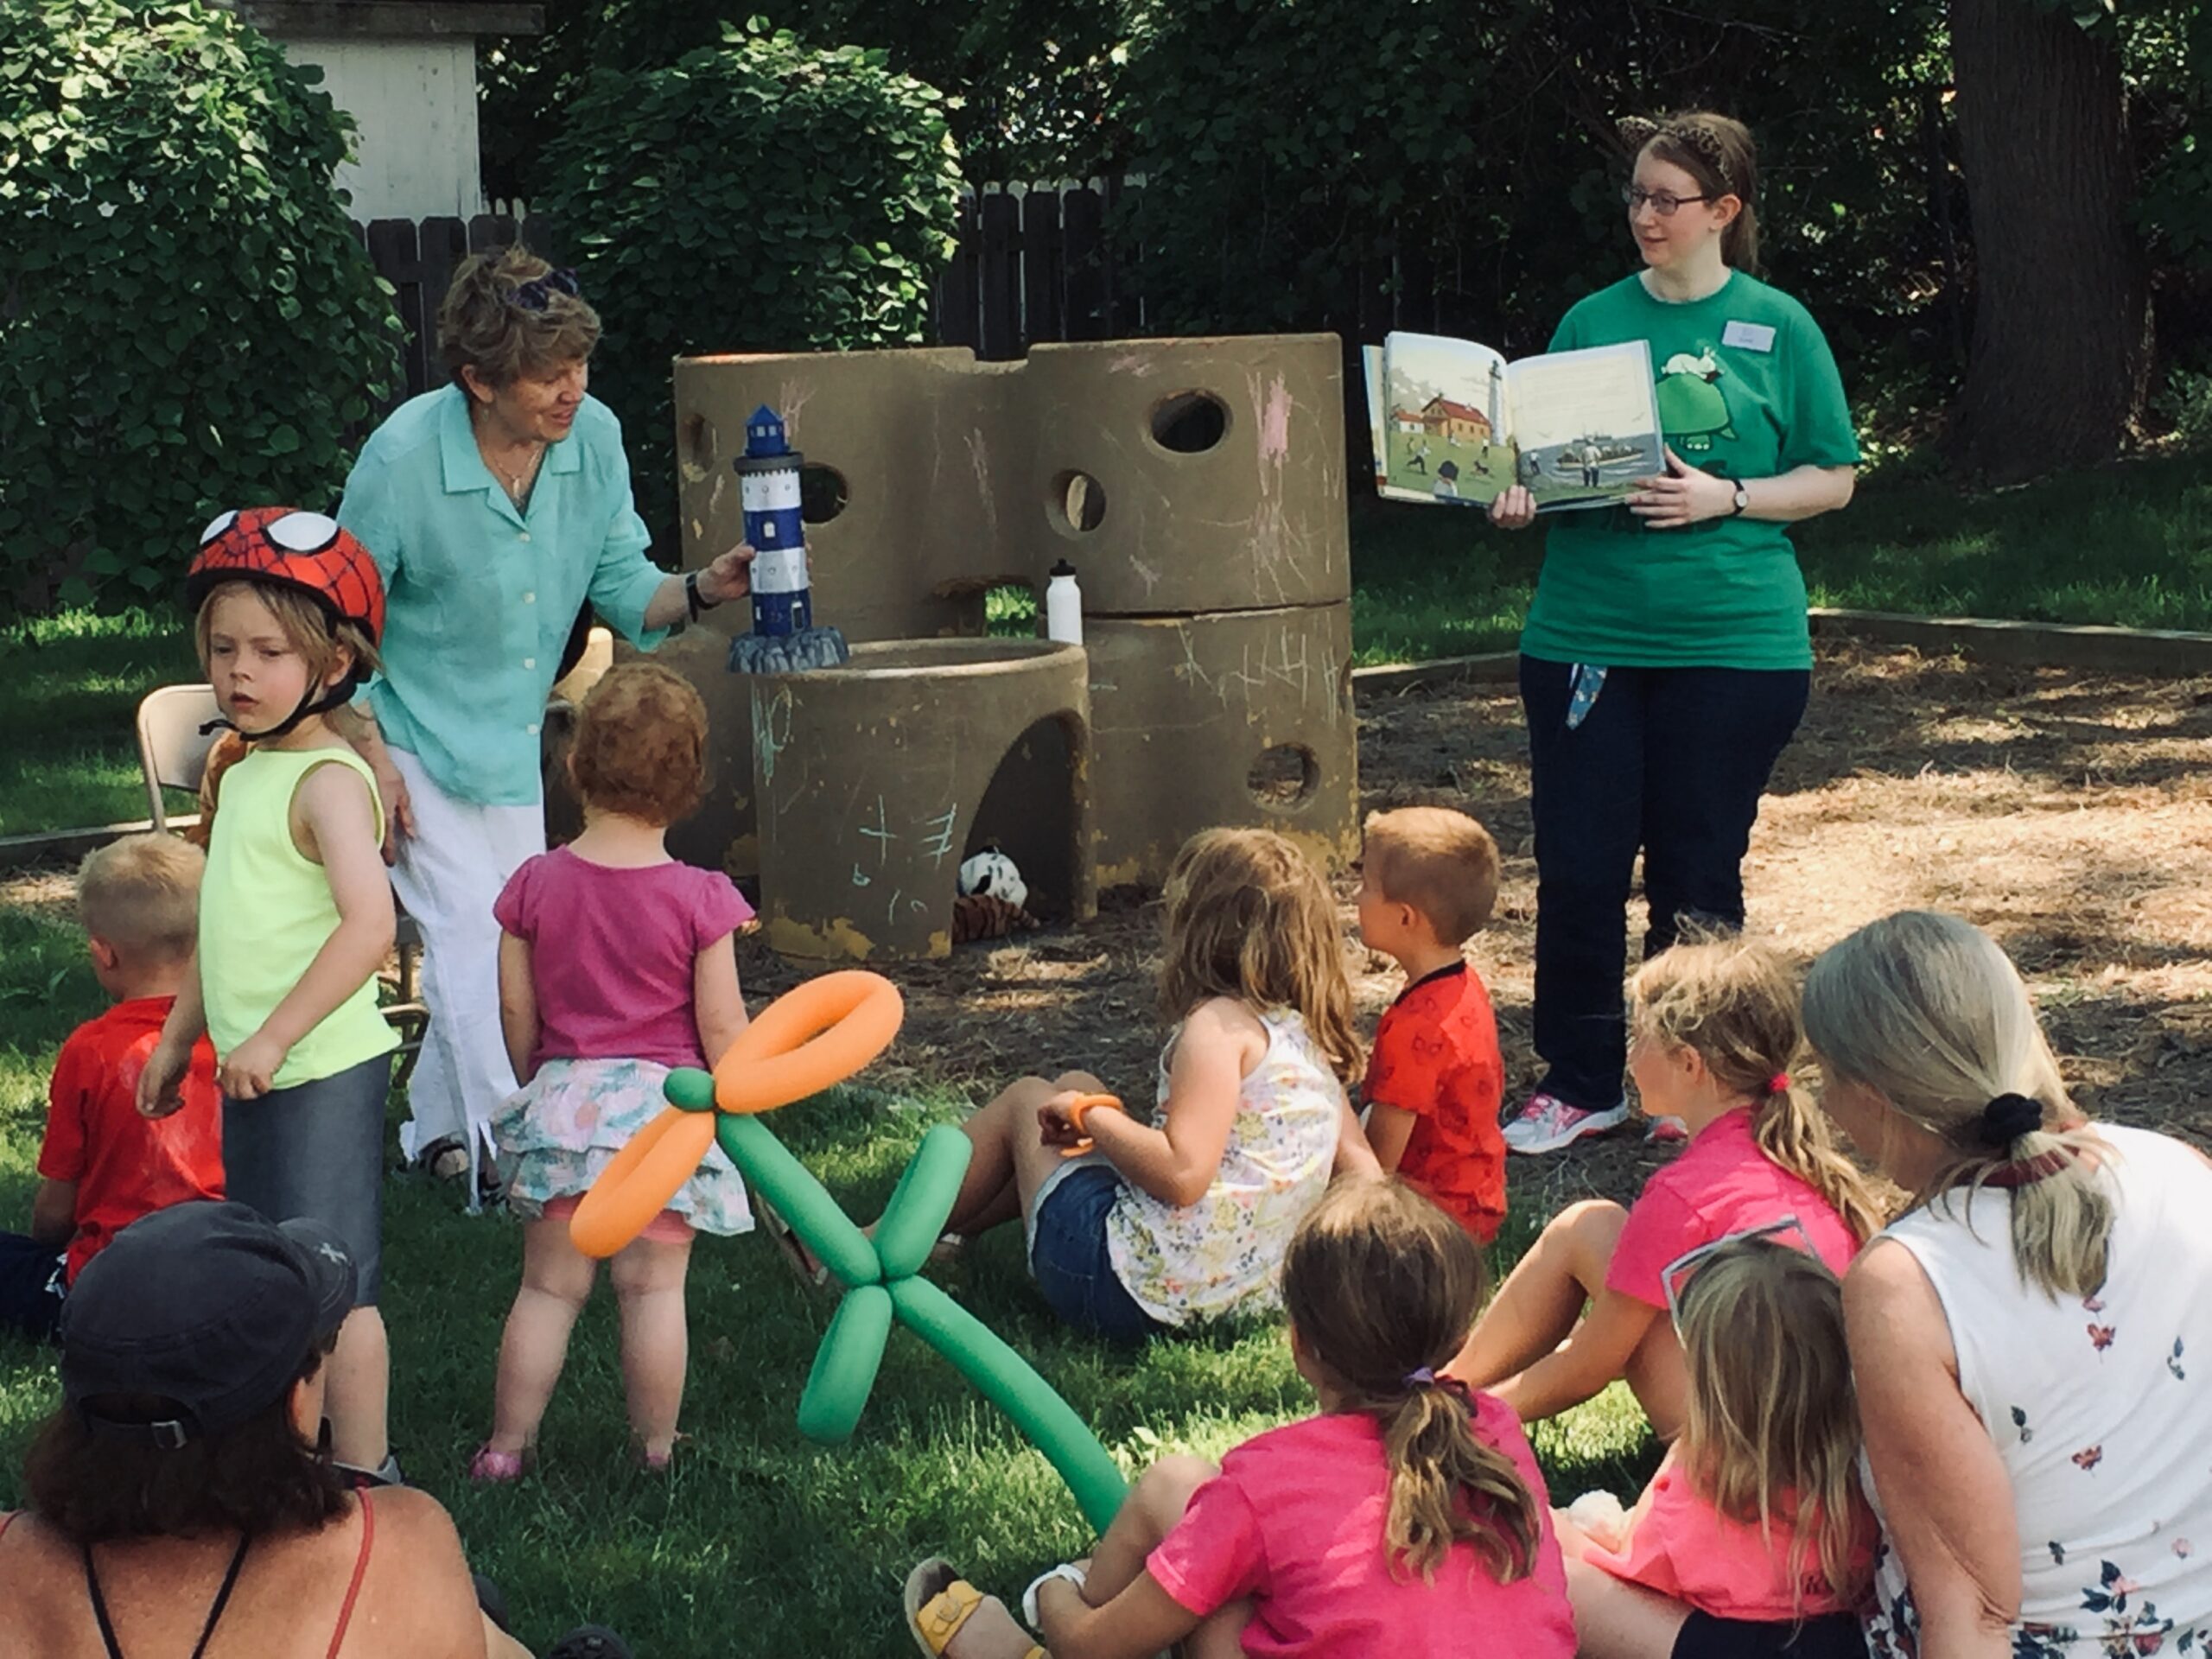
(265, 910)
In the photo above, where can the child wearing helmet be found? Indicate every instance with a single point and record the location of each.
(295, 917)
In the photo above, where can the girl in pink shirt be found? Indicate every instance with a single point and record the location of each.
(615, 966)
(1753, 1539)
(1714, 1029)
(1408, 1518)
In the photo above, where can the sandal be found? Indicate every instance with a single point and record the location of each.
(938, 1603)
(811, 1272)
(490, 1468)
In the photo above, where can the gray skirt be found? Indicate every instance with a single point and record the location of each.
(316, 1150)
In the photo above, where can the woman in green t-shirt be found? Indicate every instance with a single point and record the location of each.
(1666, 660)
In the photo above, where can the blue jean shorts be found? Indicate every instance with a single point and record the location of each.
(1068, 1254)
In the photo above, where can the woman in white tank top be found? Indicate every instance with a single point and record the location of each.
(2032, 1340)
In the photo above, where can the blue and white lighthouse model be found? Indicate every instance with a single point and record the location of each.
(784, 638)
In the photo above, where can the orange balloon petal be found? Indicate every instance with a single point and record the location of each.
(814, 1035)
(638, 1184)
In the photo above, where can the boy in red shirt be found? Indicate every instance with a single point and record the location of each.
(102, 1165)
(1427, 880)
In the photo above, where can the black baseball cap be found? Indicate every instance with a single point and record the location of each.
(209, 1307)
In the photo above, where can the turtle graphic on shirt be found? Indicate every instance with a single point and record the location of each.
(1692, 411)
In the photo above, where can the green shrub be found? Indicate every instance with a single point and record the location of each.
(755, 196)
(186, 322)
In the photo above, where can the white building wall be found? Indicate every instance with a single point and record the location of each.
(414, 102)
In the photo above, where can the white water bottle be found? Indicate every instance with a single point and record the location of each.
(1063, 605)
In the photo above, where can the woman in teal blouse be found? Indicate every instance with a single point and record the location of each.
(1666, 660)
(496, 508)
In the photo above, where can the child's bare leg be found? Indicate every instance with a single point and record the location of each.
(989, 1194)
(1544, 1294)
(355, 1397)
(648, 1278)
(1615, 1619)
(1155, 1504)
(557, 1279)
(1660, 1378)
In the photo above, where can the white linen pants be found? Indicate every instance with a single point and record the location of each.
(449, 874)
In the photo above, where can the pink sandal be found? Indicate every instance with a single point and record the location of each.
(490, 1468)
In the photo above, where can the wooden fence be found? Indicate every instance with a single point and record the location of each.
(417, 258)
(1035, 262)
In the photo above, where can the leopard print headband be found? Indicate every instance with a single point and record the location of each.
(1637, 131)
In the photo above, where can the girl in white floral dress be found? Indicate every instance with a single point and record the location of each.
(615, 965)
(1141, 1222)
(2032, 1340)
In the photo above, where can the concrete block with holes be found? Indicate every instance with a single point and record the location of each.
(1198, 485)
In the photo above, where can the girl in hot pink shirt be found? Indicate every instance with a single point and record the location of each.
(615, 965)
(1408, 1518)
(1752, 1541)
(1714, 1030)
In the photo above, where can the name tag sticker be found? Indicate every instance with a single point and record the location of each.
(1752, 336)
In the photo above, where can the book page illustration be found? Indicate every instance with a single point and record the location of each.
(1587, 424)
(1445, 429)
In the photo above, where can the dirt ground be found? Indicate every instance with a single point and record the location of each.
(2070, 814)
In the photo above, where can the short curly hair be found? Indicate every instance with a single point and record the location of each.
(482, 326)
(641, 745)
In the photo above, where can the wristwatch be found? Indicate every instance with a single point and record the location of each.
(1742, 499)
(695, 601)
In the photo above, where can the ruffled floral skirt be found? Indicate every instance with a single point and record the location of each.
(556, 1132)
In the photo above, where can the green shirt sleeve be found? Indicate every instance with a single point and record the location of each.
(1816, 428)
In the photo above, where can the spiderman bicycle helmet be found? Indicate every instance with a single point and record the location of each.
(308, 552)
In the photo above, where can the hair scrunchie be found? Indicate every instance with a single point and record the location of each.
(2008, 1117)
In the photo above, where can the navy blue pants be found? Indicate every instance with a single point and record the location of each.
(1672, 762)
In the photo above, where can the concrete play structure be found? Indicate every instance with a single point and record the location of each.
(1199, 487)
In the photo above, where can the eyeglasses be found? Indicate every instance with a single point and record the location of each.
(1674, 1278)
(537, 294)
(1663, 202)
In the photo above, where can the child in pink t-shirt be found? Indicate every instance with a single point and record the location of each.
(1408, 1518)
(1714, 1029)
(615, 966)
(1753, 1540)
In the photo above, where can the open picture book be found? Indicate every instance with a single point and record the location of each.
(1454, 421)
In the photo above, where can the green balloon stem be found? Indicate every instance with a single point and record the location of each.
(791, 1186)
(914, 1219)
(1011, 1384)
(845, 1366)
(689, 1089)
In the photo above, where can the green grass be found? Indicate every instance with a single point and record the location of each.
(2128, 544)
(69, 685)
(757, 1543)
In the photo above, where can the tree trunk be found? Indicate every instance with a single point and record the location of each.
(2061, 353)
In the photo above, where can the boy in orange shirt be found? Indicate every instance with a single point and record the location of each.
(101, 1165)
(1434, 1081)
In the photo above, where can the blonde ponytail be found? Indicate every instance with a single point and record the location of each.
(1927, 1011)
(1382, 1288)
(1794, 1133)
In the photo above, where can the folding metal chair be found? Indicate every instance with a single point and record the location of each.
(173, 754)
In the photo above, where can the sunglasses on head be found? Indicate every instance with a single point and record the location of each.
(538, 293)
(1674, 1278)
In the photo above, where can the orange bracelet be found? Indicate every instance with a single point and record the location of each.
(1080, 1109)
